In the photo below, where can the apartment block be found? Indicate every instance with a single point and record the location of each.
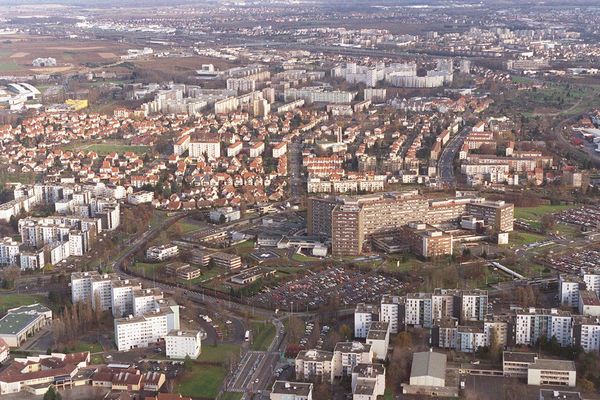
(391, 310)
(347, 355)
(314, 364)
(364, 314)
(183, 343)
(139, 331)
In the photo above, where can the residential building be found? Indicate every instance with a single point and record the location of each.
(392, 311)
(181, 344)
(284, 390)
(162, 252)
(314, 364)
(139, 331)
(347, 355)
(378, 337)
(364, 314)
(368, 381)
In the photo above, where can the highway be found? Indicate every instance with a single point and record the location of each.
(446, 160)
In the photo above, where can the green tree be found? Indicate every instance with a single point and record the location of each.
(52, 394)
(345, 332)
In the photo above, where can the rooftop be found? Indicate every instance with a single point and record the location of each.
(553, 365)
(524, 357)
(352, 347)
(296, 388)
(428, 363)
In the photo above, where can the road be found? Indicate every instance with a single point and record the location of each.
(295, 165)
(446, 160)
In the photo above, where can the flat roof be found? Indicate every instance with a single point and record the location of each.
(296, 388)
(12, 324)
(553, 365)
(352, 347)
(515, 356)
(548, 394)
(428, 363)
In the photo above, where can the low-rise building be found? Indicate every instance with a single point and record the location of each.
(364, 314)
(230, 261)
(183, 271)
(516, 364)
(283, 390)
(23, 322)
(552, 372)
(162, 252)
(35, 374)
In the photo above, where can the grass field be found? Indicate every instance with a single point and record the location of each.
(20, 177)
(524, 238)
(147, 270)
(263, 335)
(202, 381)
(302, 258)
(105, 148)
(219, 353)
(536, 213)
(185, 227)
(82, 346)
(12, 300)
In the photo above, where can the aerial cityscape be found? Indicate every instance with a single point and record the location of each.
(299, 199)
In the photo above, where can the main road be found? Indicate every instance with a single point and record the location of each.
(446, 161)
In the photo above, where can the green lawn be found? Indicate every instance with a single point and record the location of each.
(524, 238)
(536, 213)
(219, 353)
(97, 359)
(263, 334)
(302, 258)
(187, 227)
(91, 347)
(12, 300)
(202, 381)
(16, 177)
(147, 270)
(105, 148)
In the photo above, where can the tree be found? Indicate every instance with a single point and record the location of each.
(52, 394)
(586, 385)
(187, 363)
(345, 332)
(548, 222)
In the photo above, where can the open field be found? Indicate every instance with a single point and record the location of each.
(202, 381)
(12, 300)
(219, 353)
(19, 51)
(536, 213)
(105, 148)
(524, 238)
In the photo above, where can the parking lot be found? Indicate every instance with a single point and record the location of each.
(587, 217)
(348, 286)
(577, 261)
